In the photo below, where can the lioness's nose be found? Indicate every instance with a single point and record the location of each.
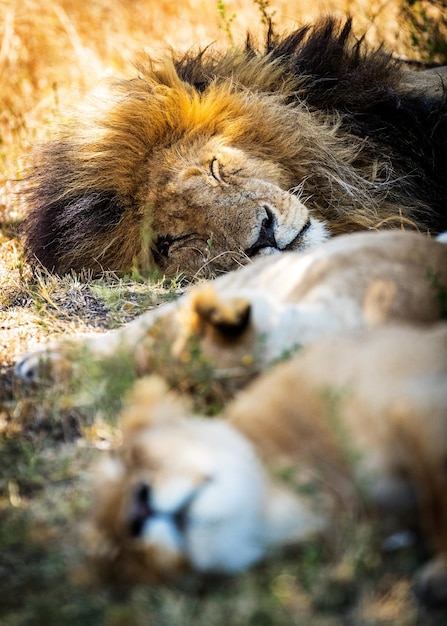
(141, 509)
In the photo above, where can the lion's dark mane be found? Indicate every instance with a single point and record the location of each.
(340, 73)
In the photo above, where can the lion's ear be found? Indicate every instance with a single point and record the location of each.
(289, 518)
(228, 317)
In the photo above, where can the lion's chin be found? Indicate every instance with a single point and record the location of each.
(313, 234)
(269, 251)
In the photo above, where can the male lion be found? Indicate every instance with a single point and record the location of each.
(205, 160)
(356, 419)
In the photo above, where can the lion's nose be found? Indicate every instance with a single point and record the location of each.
(266, 238)
(267, 227)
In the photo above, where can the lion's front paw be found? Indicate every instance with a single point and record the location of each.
(45, 364)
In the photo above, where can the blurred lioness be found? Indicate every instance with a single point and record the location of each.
(357, 420)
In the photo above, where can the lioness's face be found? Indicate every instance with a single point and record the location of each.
(216, 206)
(187, 495)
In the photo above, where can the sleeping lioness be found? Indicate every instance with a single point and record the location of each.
(247, 319)
(357, 419)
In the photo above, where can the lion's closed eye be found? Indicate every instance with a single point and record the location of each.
(164, 245)
(216, 170)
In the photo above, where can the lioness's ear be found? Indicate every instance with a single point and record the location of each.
(229, 317)
(289, 518)
(150, 401)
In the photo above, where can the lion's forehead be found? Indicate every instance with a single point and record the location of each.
(244, 162)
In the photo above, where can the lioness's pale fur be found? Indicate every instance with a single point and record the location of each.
(357, 419)
(247, 319)
(204, 160)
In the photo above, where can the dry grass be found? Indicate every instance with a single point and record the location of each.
(51, 53)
